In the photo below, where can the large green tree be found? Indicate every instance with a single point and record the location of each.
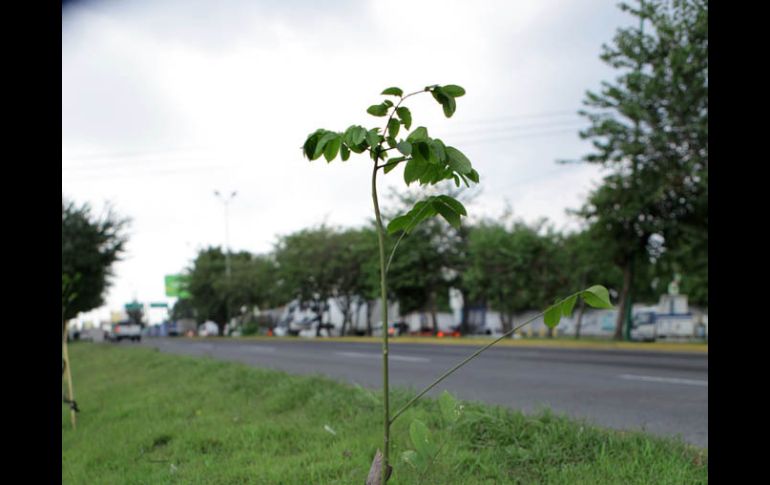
(90, 246)
(513, 269)
(306, 263)
(650, 128)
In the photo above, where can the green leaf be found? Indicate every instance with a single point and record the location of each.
(457, 180)
(325, 138)
(473, 175)
(422, 439)
(568, 305)
(405, 115)
(453, 90)
(393, 127)
(354, 135)
(419, 134)
(597, 296)
(393, 91)
(449, 408)
(454, 204)
(414, 170)
(392, 143)
(309, 147)
(377, 110)
(439, 150)
(344, 152)
(552, 316)
(458, 161)
(452, 217)
(449, 106)
(393, 163)
(405, 147)
(421, 152)
(446, 100)
(372, 137)
(412, 458)
(422, 210)
(332, 147)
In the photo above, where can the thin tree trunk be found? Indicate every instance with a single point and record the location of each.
(464, 315)
(434, 319)
(369, 311)
(622, 309)
(581, 311)
(507, 321)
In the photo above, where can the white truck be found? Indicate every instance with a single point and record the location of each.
(125, 330)
(670, 320)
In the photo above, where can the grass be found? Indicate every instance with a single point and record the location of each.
(153, 418)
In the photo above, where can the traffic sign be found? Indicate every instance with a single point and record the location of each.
(176, 285)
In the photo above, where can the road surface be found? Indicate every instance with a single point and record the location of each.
(661, 393)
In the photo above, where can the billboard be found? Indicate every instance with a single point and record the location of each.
(176, 285)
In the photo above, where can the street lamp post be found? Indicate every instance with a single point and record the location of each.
(226, 201)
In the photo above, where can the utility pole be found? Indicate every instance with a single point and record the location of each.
(226, 201)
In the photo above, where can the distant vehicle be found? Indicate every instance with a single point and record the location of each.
(208, 329)
(125, 330)
(670, 320)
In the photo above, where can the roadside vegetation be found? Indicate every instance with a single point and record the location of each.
(149, 417)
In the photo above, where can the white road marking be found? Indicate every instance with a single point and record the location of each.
(667, 380)
(373, 355)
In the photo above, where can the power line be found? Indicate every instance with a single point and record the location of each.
(514, 137)
(513, 129)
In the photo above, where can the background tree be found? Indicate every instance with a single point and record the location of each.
(426, 265)
(587, 262)
(136, 313)
(352, 254)
(511, 270)
(650, 127)
(90, 247)
(183, 308)
(208, 288)
(307, 269)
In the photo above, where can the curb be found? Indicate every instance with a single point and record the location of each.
(688, 348)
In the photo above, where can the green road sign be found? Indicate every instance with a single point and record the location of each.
(158, 305)
(176, 285)
(133, 306)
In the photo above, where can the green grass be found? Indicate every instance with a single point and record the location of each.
(153, 418)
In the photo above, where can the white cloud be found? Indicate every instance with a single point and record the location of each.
(164, 102)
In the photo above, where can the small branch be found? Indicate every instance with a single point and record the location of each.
(471, 357)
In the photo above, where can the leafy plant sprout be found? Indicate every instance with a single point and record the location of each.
(427, 161)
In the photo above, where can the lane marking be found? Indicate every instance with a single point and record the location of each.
(371, 355)
(666, 380)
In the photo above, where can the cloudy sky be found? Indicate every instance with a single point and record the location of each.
(165, 101)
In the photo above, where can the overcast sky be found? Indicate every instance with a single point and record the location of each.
(164, 102)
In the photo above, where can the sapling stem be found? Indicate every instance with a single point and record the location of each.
(67, 367)
(471, 357)
(384, 302)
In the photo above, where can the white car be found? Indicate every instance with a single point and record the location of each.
(125, 331)
(208, 329)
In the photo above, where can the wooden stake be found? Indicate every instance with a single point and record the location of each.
(65, 354)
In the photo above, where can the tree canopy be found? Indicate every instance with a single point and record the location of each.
(90, 247)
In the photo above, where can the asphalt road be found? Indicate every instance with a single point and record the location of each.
(661, 393)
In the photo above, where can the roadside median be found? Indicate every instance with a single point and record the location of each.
(565, 343)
